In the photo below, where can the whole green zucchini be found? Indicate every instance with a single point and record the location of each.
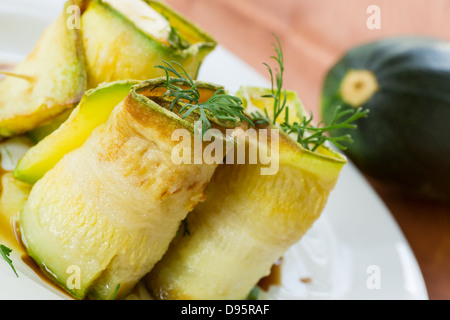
(405, 83)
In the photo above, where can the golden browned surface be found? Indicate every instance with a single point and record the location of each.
(51, 80)
(314, 34)
(236, 236)
(112, 206)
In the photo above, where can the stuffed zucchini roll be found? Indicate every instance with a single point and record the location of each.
(94, 109)
(106, 212)
(248, 220)
(50, 80)
(125, 39)
(91, 42)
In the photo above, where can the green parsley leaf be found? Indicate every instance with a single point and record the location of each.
(5, 252)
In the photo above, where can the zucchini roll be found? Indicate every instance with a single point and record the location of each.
(50, 80)
(92, 42)
(106, 212)
(125, 39)
(248, 220)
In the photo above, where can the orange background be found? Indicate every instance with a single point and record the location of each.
(314, 34)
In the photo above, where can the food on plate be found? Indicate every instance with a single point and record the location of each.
(44, 129)
(14, 194)
(121, 189)
(250, 218)
(113, 40)
(255, 100)
(50, 80)
(94, 109)
(246, 224)
(125, 39)
(403, 81)
(109, 208)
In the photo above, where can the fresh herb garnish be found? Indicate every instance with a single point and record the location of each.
(176, 40)
(221, 106)
(279, 95)
(309, 136)
(5, 252)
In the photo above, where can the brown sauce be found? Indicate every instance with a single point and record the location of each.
(7, 232)
(10, 237)
(274, 277)
(306, 280)
(10, 232)
(26, 259)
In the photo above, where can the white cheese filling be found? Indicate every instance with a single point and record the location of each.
(144, 17)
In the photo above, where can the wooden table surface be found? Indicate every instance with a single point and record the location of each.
(314, 34)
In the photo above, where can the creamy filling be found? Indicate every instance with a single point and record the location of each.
(144, 17)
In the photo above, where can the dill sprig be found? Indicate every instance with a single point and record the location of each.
(176, 40)
(221, 106)
(5, 252)
(309, 136)
(279, 95)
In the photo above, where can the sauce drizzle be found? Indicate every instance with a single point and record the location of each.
(274, 277)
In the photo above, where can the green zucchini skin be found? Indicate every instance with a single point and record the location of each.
(405, 141)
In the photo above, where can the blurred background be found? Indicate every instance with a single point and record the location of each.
(314, 35)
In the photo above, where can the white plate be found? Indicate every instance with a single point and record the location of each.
(354, 251)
